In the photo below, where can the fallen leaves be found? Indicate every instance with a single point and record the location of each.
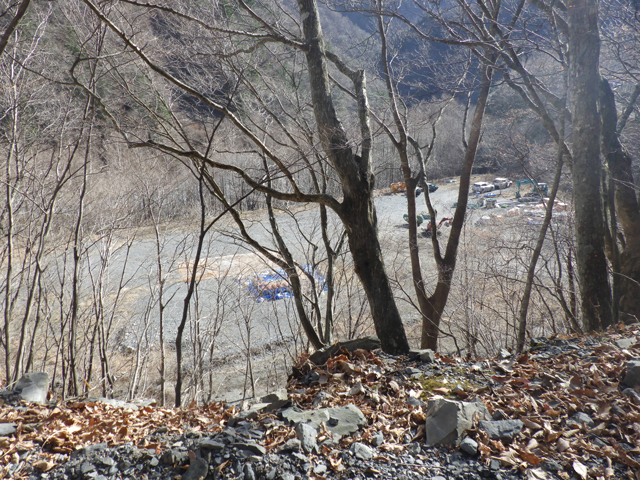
(544, 393)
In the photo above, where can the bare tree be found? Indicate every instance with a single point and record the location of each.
(353, 169)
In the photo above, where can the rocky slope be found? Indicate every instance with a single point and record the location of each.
(567, 408)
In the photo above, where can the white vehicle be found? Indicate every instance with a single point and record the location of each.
(500, 182)
(482, 187)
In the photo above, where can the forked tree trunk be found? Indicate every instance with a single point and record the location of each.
(584, 50)
(433, 308)
(357, 210)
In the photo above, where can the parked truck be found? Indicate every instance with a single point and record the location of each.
(500, 182)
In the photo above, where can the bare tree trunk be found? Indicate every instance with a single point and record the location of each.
(626, 206)
(531, 270)
(584, 49)
(357, 209)
(446, 264)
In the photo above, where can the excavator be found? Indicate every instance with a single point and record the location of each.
(447, 221)
(537, 190)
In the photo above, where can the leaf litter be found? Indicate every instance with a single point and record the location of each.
(544, 391)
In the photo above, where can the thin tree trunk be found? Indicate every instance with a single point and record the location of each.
(531, 270)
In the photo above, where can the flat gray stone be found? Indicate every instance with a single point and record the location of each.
(625, 343)
(274, 401)
(447, 420)
(632, 378)
(7, 429)
(209, 444)
(424, 355)
(340, 421)
(33, 387)
(362, 451)
(501, 429)
(307, 434)
(579, 418)
(251, 447)
(276, 396)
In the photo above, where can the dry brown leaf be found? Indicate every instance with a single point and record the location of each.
(442, 390)
(530, 423)
(563, 445)
(529, 457)
(580, 469)
(537, 474)
(393, 385)
(532, 444)
(508, 457)
(44, 465)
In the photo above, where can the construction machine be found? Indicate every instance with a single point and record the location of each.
(539, 189)
(447, 222)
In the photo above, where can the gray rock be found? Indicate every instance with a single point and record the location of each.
(7, 429)
(630, 392)
(362, 451)
(108, 461)
(469, 445)
(33, 387)
(320, 397)
(292, 445)
(414, 448)
(251, 447)
(320, 469)
(338, 420)
(198, 469)
(579, 418)
(277, 396)
(86, 467)
(307, 434)
(171, 457)
(625, 343)
(424, 355)
(303, 459)
(89, 449)
(448, 419)
(632, 378)
(208, 444)
(249, 474)
(501, 429)
(377, 439)
(275, 401)
(416, 402)
(413, 372)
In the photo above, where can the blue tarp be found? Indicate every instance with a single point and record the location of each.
(275, 285)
